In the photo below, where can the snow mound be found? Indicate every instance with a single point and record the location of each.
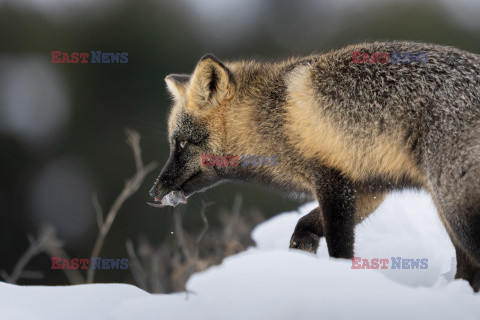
(272, 282)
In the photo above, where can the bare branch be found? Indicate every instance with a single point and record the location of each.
(168, 268)
(135, 266)
(133, 141)
(5, 276)
(45, 239)
(131, 186)
(98, 211)
(36, 246)
(177, 220)
(154, 274)
(204, 230)
(237, 205)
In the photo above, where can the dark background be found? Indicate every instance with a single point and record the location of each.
(62, 125)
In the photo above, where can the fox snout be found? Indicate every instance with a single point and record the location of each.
(159, 190)
(156, 191)
(182, 176)
(169, 180)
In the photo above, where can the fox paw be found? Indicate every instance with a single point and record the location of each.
(307, 241)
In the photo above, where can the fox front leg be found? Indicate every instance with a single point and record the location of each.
(309, 229)
(339, 225)
(334, 218)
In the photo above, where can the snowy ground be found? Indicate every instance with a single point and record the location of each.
(271, 282)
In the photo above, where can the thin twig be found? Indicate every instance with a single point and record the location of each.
(135, 266)
(204, 230)
(45, 240)
(193, 265)
(131, 186)
(98, 211)
(133, 140)
(237, 205)
(33, 250)
(177, 221)
(155, 274)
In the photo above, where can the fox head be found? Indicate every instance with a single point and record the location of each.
(196, 126)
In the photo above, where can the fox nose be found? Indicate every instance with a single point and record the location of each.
(154, 191)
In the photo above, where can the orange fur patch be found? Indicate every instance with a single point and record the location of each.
(317, 137)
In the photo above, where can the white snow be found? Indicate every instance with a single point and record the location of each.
(272, 282)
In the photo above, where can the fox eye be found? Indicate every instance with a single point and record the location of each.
(183, 143)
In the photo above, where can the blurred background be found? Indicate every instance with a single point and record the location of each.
(62, 125)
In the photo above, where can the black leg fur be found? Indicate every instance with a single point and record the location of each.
(308, 232)
(334, 218)
(337, 203)
(467, 269)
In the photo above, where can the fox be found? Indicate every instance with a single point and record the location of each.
(345, 134)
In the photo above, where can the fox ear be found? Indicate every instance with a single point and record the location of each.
(177, 84)
(212, 83)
